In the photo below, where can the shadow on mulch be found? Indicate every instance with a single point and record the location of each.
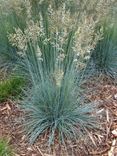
(103, 143)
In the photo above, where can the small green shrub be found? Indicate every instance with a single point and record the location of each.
(11, 87)
(5, 149)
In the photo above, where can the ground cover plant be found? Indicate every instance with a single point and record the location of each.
(5, 149)
(11, 87)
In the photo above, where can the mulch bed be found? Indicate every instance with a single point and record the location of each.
(103, 143)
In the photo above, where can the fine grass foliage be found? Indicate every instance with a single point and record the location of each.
(5, 149)
(54, 107)
(11, 87)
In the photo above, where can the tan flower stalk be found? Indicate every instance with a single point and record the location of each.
(58, 76)
(18, 39)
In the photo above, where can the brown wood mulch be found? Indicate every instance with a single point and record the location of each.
(103, 143)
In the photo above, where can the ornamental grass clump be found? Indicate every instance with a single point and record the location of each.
(53, 50)
(8, 20)
(104, 55)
